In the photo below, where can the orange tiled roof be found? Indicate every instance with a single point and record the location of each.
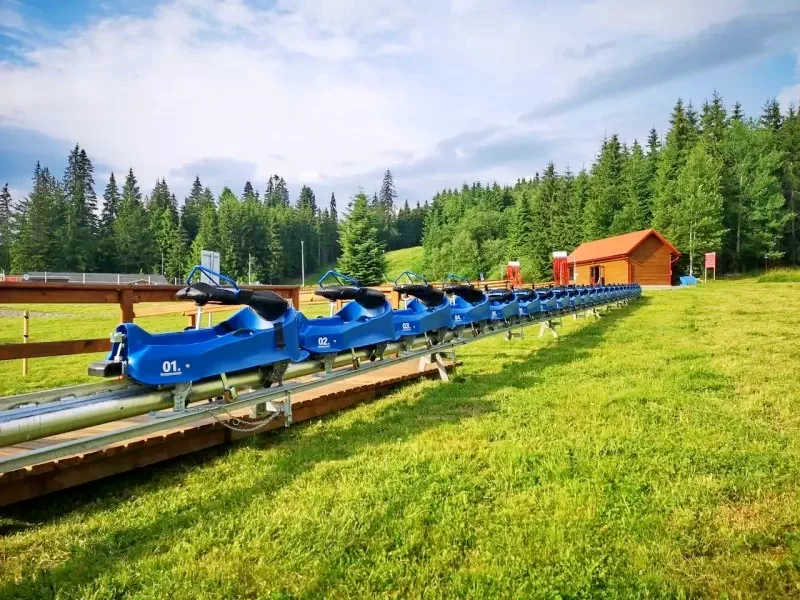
(619, 245)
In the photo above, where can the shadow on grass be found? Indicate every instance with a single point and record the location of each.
(299, 452)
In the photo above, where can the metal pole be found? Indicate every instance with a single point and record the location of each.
(303, 261)
(26, 317)
(249, 269)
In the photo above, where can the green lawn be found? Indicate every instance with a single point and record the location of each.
(398, 261)
(655, 452)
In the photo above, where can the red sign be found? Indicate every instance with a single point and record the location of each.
(711, 260)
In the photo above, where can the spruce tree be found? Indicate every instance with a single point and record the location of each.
(697, 225)
(6, 229)
(207, 234)
(233, 259)
(107, 254)
(579, 196)
(771, 115)
(192, 209)
(363, 254)
(634, 212)
(249, 193)
(163, 220)
(671, 159)
(605, 190)
(520, 235)
(737, 114)
(40, 241)
(80, 218)
(133, 241)
(756, 213)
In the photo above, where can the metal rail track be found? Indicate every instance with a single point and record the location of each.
(271, 402)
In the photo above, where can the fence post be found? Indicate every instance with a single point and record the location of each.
(26, 317)
(126, 306)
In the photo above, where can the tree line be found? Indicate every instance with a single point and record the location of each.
(717, 181)
(61, 225)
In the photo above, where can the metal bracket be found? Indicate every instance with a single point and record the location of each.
(356, 360)
(229, 393)
(179, 395)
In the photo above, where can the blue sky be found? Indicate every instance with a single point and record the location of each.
(330, 94)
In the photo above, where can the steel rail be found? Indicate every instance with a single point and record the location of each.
(264, 395)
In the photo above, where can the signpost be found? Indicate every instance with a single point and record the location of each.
(711, 263)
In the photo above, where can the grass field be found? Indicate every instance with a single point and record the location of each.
(780, 276)
(655, 452)
(397, 261)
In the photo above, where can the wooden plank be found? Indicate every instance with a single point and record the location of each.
(70, 471)
(40, 349)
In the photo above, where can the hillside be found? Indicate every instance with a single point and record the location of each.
(398, 261)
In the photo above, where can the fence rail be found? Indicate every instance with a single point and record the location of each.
(127, 296)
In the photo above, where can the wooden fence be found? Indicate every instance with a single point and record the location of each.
(127, 296)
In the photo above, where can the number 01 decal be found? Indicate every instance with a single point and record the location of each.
(169, 366)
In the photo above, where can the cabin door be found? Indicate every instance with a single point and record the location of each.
(597, 275)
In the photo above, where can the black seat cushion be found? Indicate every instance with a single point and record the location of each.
(366, 297)
(525, 294)
(427, 294)
(467, 292)
(268, 305)
(500, 295)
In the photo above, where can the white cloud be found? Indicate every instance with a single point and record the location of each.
(329, 92)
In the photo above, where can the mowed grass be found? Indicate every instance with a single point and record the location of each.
(652, 453)
(405, 259)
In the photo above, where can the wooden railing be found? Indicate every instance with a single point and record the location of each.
(126, 296)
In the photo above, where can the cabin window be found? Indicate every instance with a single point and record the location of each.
(572, 272)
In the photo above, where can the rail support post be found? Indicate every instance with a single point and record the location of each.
(548, 325)
(434, 359)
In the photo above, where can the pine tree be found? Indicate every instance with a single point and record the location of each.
(107, 255)
(737, 114)
(274, 267)
(789, 143)
(771, 115)
(192, 209)
(6, 229)
(756, 213)
(162, 215)
(388, 193)
(307, 200)
(80, 224)
(40, 240)
(605, 190)
(207, 235)
(672, 158)
(176, 267)
(249, 193)
(579, 196)
(714, 122)
(133, 241)
(697, 225)
(634, 213)
(520, 235)
(232, 261)
(362, 252)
